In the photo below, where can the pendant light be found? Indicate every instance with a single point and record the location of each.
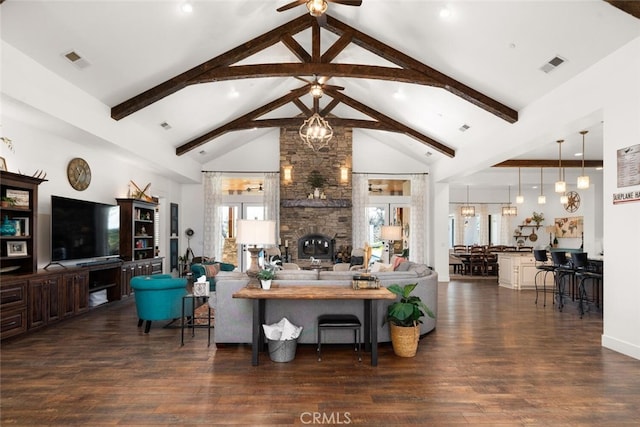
(564, 199)
(519, 197)
(561, 185)
(509, 210)
(468, 210)
(583, 180)
(541, 198)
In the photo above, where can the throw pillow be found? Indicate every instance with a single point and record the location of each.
(380, 267)
(226, 266)
(212, 269)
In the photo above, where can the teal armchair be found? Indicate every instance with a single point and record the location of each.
(200, 269)
(159, 297)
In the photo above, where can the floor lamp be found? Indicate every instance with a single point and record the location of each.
(255, 232)
(390, 233)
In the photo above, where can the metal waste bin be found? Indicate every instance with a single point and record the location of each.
(282, 350)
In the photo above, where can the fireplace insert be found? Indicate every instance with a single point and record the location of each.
(318, 246)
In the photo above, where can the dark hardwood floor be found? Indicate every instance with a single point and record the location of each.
(494, 359)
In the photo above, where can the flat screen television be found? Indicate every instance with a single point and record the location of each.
(82, 230)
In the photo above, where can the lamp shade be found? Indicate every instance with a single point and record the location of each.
(391, 232)
(256, 232)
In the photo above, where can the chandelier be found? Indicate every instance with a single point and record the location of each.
(316, 132)
(509, 210)
(468, 210)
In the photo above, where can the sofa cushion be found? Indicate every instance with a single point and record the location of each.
(404, 266)
(379, 266)
(296, 275)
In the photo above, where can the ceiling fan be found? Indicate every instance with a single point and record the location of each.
(317, 8)
(317, 85)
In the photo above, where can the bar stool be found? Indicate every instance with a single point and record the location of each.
(563, 269)
(580, 262)
(541, 265)
(339, 321)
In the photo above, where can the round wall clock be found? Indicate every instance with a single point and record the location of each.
(79, 174)
(573, 202)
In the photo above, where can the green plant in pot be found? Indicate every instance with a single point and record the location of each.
(266, 276)
(316, 181)
(404, 318)
(7, 202)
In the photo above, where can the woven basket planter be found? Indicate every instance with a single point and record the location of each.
(404, 340)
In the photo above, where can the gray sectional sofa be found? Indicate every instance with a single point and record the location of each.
(233, 316)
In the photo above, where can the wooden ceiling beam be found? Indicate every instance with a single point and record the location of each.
(335, 49)
(308, 69)
(232, 56)
(295, 48)
(632, 7)
(395, 56)
(544, 163)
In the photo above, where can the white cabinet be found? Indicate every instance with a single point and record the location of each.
(518, 271)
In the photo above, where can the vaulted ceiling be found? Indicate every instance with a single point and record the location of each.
(415, 73)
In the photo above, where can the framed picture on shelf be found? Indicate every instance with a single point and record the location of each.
(17, 248)
(21, 198)
(3, 164)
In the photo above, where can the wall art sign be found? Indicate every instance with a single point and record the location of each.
(568, 226)
(629, 166)
(629, 196)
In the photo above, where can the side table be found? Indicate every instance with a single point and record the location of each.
(192, 323)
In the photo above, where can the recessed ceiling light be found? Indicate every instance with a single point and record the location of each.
(578, 154)
(233, 93)
(599, 168)
(186, 7)
(445, 13)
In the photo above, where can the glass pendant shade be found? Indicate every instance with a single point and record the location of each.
(564, 199)
(519, 199)
(561, 186)
(509, 210)
(583, 182)
(317, 7)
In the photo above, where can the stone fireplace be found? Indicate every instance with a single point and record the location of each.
(315, 227)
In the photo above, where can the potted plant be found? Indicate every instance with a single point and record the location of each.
(266, 276)
(317, 181)
(537, 218)
(404, 317)
(7, 202)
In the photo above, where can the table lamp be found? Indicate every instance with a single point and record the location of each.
(390, 233)
(255, 232)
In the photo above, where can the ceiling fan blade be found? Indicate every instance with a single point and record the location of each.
(291, 5)
(332, 87)
(347, 2)
(301, 79)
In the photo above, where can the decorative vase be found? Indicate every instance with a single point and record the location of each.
(7, 228)
(404, 339)
(266, 284)
(316, 193)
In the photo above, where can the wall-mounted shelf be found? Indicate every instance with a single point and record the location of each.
(533, 229)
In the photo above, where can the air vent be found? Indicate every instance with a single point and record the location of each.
(76, 59)
(464, 128)
(552, 64)
(165, 125)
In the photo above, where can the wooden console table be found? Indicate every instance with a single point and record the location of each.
(259, 297)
